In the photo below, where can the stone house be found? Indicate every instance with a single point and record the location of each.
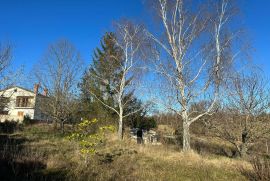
(18, 102)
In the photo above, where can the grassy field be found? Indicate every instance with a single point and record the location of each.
(39, 153)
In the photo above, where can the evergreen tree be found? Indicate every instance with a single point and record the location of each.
(106, 64)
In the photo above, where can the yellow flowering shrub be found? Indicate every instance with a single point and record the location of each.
(87, 139)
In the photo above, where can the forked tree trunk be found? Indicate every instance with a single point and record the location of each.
(186, 137)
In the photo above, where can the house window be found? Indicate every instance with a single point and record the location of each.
(3, 112)
(23, 101)
(20, 113)
(3, 104)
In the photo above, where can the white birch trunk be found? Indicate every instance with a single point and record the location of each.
(128, 42)
(120, 125)
(186, 137)
(182, 31)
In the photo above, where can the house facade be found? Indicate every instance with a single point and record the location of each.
(22, 102)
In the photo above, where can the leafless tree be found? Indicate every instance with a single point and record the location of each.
(58, 72)
(193, 66)
(128, 39)
(5, 61)
(244, 119)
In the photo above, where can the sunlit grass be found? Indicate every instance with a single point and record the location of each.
(116, 160)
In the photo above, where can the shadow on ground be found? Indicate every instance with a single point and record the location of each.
(19, 163)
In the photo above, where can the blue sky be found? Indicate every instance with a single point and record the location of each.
(257, 20)
(30, 25)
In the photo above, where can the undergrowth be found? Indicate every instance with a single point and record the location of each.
(44, 154)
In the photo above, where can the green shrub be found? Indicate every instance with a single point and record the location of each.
(148, 123)
(142, 123)
(9, 126)
(27, 120)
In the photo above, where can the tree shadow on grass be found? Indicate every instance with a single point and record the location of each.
(203, 147)
(16, 163)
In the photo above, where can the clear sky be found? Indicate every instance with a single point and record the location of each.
(256, 17)
(30, 25)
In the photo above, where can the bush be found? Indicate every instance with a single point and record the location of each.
(260, 169)
(27, 120)
(9, 126)
(147, 123)
(87, 139)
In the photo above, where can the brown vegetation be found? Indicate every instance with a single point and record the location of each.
(40, 153)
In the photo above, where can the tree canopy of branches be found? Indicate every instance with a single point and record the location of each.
(244, 119)
(5, 61)
(191, 57)
(5, 77)
(58, 72)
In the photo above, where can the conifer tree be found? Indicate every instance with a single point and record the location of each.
(102, 85)
(105, 63)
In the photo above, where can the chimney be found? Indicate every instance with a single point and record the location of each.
(45, 92)
(36, 87)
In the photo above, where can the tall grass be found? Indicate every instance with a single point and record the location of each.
(60, 159)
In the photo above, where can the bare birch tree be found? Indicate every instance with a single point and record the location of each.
(128, 39)
(194, 61)
(58, 72)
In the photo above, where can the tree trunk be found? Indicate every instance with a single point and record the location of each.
(62, 127)
(186, 137)
(120, 128)
(243, 147)
(267, 148)
(243, 150)
(55, 124)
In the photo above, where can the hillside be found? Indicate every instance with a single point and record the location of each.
(39, 153)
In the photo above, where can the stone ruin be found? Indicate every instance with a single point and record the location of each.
(148, 137)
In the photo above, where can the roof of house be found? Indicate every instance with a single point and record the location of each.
(28, 90)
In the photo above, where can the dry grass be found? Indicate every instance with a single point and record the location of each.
(124, 160)
(159, 162)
